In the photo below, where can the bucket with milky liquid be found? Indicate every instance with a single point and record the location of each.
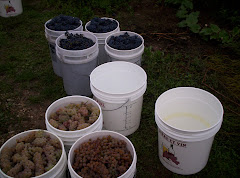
(188, 118)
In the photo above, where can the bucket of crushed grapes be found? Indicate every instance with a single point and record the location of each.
(72, 117)
(33, 153)
(102, 154)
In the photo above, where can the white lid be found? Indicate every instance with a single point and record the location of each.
(118, 77)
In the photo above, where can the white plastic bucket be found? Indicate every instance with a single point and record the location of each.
(77, 65)
(58, 171)
(69, 137)
(133, 55)
(51, 36)
(119, 87)
(188, 119)
(102, 56)
(10, 8)
(99, 134)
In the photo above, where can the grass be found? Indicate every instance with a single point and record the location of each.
(25, 67)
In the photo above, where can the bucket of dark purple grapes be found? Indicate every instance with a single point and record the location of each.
(125, 46)
(102, 28)
(56, 27)
(77, 51)
(102, 154)
(33, 153)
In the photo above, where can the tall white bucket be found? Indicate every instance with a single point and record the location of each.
(102, 56)
(188, 119)
(119, 87)
(77, 65)
(133, 55)
(58, 171)
(130, 173)
(69, 137)
(10, 8)
(51, 36)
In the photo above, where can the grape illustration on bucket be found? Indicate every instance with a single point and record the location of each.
(169, 153)
(10, 8)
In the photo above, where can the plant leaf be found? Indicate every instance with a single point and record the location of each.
(195, 28)
(215, 28)
(182, 13)
(188, 4)
(206, 31)
(192, 18)
(182, 23)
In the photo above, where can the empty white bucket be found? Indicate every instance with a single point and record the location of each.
(102, 56)
(133, 55)
(99, 134)
(58, 171)
(188, 119)
(51, 36)
(69, 137)
(10, 8)
(77, 65)
(119, 87)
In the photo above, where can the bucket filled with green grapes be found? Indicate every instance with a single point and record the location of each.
(72, 117)
(102, 154)
(33, 153)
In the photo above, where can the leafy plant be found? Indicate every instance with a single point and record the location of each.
(212, 31)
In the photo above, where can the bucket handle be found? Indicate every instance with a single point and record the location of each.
(118, 107)
(83, 59)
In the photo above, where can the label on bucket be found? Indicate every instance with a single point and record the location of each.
(183, 157)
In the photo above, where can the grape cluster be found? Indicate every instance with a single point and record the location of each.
(124, 42)
(32, 155)
(63, 23)
(75, 42)
(101, 25)
(74, 116)
(104, 157)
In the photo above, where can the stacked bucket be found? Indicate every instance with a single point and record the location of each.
(113, 81)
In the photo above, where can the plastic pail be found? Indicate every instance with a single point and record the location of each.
(102, 56)
(58, 171)
(69, 137)
(133, 55)
(119, 87)
(10, 8)
(188, 119)
(51, 36)
(77, 65)
(99, 134)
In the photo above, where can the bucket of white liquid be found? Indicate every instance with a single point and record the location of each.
(119, 87)
(188, 119)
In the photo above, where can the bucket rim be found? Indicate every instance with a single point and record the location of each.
(99, 119)
(33, 130)
(107, 33)
(60, 31)
(184, 130)
(120, 33)
(115, 64)
(107, 132)
(92, 48)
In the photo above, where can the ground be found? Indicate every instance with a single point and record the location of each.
(157, 24)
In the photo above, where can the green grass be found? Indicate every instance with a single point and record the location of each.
(25, 65)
